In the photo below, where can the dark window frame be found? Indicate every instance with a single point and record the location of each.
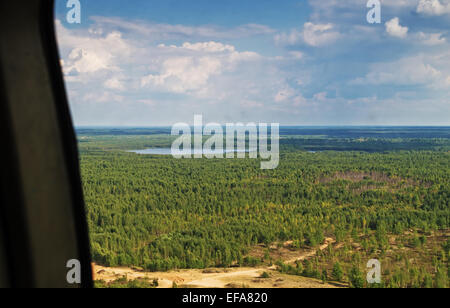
(27, 34)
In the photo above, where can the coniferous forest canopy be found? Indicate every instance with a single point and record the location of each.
(380, 192)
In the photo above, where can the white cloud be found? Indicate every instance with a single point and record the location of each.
(91, 53)
(292, 38)
(183, 74)
(433, 7)
(106, 58)
(88, 60)
(159, 31)
(417, 70)
(319, 34)
(137, 73)
(315, 35)
(114, 84)
(431, 39)
(393, 28)
(209, 47)
(138, 79)
(188, 69)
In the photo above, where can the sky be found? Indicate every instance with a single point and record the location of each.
(293, 62)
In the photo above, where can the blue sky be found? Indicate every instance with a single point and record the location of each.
(152, 62)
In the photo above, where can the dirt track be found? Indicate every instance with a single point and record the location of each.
(311, 253)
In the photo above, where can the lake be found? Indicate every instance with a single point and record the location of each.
(168, 151)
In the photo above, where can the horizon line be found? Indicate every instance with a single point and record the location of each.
(287, 125)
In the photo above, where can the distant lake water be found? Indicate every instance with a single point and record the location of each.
(168, 151)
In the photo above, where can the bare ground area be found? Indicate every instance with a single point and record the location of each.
(221, 278)
(359, 182)
(230, 278)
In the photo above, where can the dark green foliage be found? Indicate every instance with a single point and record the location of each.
(338, 273)
(265, 275)
(356, 278)
(123, 283)
(324, 276)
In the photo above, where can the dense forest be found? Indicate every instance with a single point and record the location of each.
(360, 189)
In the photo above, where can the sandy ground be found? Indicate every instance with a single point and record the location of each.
(220, 278)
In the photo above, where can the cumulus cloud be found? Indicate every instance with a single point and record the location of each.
(183, 74)
(433, 7)
(90, 53)
(130, 72)
(188, 69)
(393, 28)
(117, 62)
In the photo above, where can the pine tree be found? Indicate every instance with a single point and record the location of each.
(338, 273)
